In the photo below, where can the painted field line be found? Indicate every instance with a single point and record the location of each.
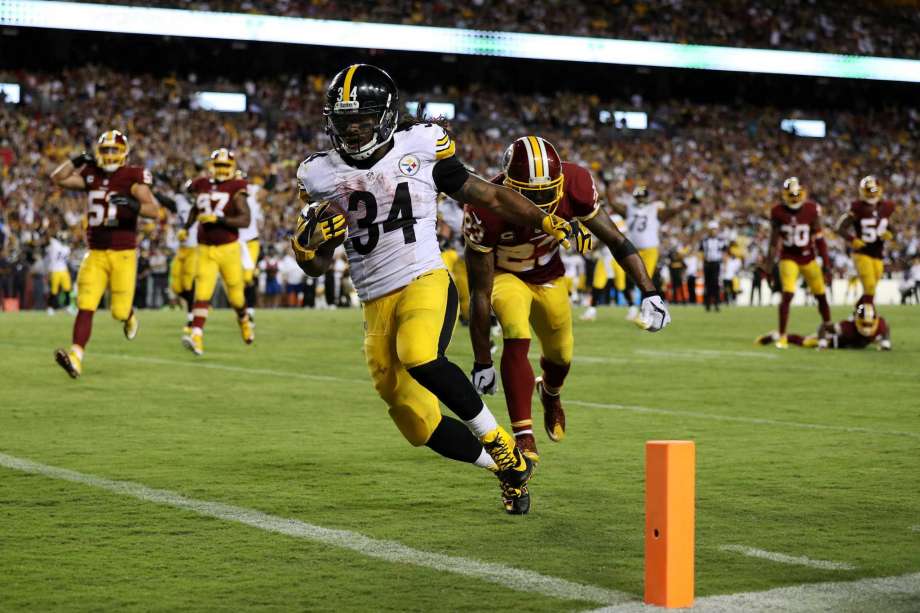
(693, 354)
(878, 594)
(525, 581)
(782, 558)
(915, 528)
(739, 419)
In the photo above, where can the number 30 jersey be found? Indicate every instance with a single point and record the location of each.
(799, 229)
(531, 254)
(391, 206)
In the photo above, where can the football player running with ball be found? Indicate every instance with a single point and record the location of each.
(516, 270)
(116, 195)
(380, 185)
(221, 209)
(797, 235)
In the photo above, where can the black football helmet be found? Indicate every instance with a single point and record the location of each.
(359, 92)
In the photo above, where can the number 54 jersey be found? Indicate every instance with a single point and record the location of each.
(391, 207)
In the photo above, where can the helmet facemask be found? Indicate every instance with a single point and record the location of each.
(533, 167)
(870, 190)
(222, 165)
(374, 126)
(793, 193)
(111, 151)
(866, 320)
(545, 195)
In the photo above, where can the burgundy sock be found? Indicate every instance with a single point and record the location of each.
(518, 381)
(82, 327)
(784, 312)
(796, 339)
(553, 374)
(201, 314)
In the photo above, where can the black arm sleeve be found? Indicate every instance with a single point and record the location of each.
(165, 201)
(449, 175)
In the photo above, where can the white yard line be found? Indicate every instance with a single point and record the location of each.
(526, 581)
(915, 528)
(694, 354)
(876, 594)
(782, 558)
(739, 419)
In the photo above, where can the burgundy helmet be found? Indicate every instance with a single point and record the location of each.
(866, 319)
(533, 167)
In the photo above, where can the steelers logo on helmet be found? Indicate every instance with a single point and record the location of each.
(222, 164)
(870, 190)
(111, 150)
(361, 110)
(793, 193)
(533, 167)
(866, 319)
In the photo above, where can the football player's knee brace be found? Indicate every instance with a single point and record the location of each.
(415, 426)
(445, 380)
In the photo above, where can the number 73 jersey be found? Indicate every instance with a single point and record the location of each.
(798, 228)
(391, 207)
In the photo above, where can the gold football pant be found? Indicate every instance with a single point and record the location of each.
(59, 280)
(649, 257)
(249, 273)
(457, 267)
(111, 269)
(223, 260)
(184, 266)
(789, 274)
(870, 271)
(407, 328)
(518, 305)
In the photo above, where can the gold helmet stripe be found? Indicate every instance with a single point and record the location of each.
(346, 88)
(537, 158)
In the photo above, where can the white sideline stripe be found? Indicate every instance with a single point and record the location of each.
(875, 594)
(693, 354)
(739, 419)
(915, 528)
(507, 576)
(782, 558)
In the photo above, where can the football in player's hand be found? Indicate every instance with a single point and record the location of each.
(315, 214)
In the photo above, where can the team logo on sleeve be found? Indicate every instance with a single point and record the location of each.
(409, 165)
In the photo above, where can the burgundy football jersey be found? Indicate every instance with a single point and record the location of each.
(871, 221)
(529, 253)
(797, 227)
(848, 337)
(109, 226)
(213, 198)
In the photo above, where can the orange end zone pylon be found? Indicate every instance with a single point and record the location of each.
(670, 519)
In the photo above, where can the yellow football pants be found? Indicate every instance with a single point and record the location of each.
(870, 271)
(649, 257)
(184, 266)
(404, 329)
(518, 305)
(249, 273)
(789, 274)
(225, 260)
(457, 267)
(599, 280)
(59, 280)
(103, 269)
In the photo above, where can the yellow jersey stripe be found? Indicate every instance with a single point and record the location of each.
(346, 88)
(446, 153)
(443, 140)
(537, 157)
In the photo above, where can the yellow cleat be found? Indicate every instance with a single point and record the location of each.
(194, 342)
(810, 342)
(247, 329)
(131, 327)
(782, 342)
(513, 467)
(69, 361)
(528, 446)
(767, 339)
(186, 330)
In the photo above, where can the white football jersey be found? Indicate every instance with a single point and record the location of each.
(643, 223)
(391, 208)
(251, 232)
(183, 209)
(58, 254)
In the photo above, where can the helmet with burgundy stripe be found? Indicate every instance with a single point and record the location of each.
(533, 167)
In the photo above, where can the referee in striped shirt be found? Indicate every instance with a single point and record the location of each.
(713, 249)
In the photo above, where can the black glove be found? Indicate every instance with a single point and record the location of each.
(126, 201)
(82, 159)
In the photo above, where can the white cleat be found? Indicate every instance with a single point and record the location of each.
(590, 314)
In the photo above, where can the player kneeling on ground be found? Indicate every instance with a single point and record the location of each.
(864, 328)
(517, 271)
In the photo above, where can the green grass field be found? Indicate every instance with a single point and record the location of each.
(800, 453)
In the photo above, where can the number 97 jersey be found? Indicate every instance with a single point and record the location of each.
(391, 207)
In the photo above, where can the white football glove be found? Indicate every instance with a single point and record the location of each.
(884, 345)
(484, 378)
(653, 313)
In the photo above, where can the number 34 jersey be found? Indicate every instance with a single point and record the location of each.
(799, 229)
(391, 208)
(109, 226)
(529, 253)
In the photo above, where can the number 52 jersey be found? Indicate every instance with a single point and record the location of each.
(391, 207)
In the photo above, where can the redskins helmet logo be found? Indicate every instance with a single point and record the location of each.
(793, 193)
(870, 190)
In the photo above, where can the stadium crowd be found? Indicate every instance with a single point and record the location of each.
(729, 160)
(861, 27)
